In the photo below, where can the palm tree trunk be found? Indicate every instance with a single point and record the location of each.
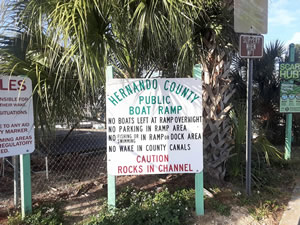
(217, 92)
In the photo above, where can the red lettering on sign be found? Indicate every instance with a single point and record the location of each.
(152, 158)
(13, 85)
(4, 150)
(22, 85)
(130, 169)
(2, 86)
(175, 168)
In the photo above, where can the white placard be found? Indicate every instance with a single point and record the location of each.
(154, 126)
(251, 16)
(16, 116)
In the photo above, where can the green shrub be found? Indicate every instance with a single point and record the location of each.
(219, 206)
(15, 219)
(148, 208)
(263, 152)
(45, 214)
(265, 209)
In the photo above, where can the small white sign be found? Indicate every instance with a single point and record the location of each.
(16, 116)
(154, 126)
(251, 16)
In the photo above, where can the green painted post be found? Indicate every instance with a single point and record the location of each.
(289, 116)
(26, 201)
(199, 189)
(199, 194)
(111, 179)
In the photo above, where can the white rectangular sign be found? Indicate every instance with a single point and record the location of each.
(251, 16)
(16, 116)
(154, 126)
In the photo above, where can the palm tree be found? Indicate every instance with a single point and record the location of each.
(217, 91)
(57, 93)
(77, 39)
(53, 101)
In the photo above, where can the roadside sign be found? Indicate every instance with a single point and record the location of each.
(289, 71)
(251, 16)
(289, 97)
(251, 46)
(16, 116)
(154, 126)
(289, 87)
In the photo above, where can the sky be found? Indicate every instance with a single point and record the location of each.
(283, 21)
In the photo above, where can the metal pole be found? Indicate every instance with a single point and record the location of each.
(16, 180)
(249, 126)
(47, 168)
(289, 116)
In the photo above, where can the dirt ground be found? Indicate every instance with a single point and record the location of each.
(81, 200)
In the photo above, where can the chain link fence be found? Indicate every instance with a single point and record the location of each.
(60, 160)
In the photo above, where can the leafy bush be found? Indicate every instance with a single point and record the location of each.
(263, 152)
(148, 208)
(45, 214)
(219, 207)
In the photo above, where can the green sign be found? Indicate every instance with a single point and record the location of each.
(290, 87)
(289, 97)
(289, 71)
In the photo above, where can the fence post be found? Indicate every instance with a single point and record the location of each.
(26, 203)
(111, 179)
(199, 188)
